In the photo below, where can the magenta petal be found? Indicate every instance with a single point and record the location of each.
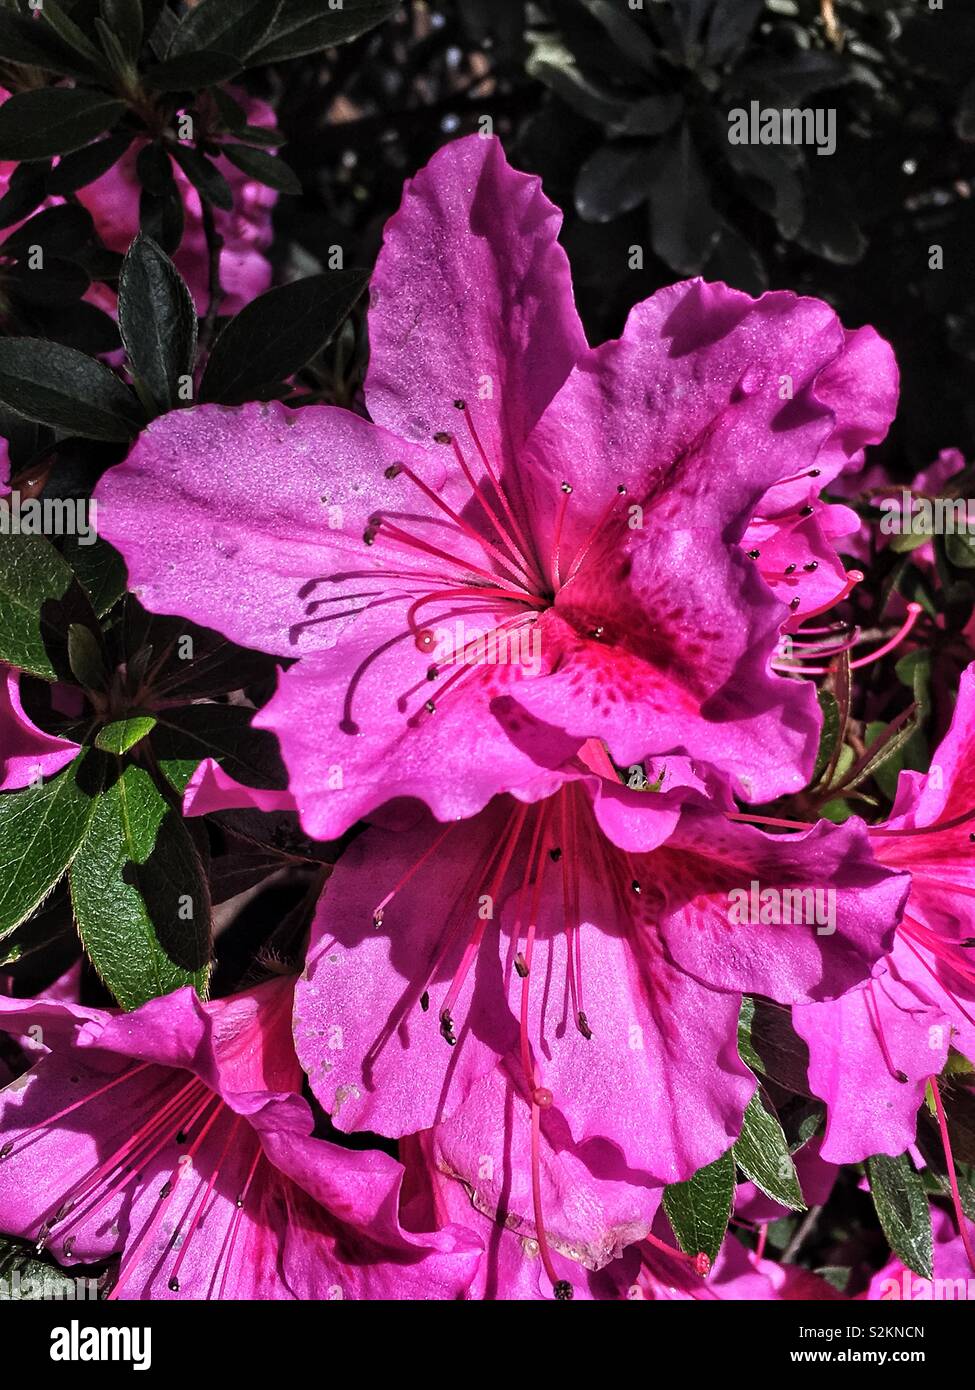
(870, 1056)
(211, 789)
(354, 732)
(26, 752)
(471, 299)
(242, 519)
(374, 1057)
(703, 878)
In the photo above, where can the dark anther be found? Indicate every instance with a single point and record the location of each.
(794, 603)
(790, 569)
(555, 855)
(520, 965)
(430, 707)
(563, 1291)
(567, 488)
(636, 887)
(393, 471)
(174, 1286)
(447, 1029)
(425, 1000)
(584, 1028)
(442, 437)
(753, 554)
(812, 565)
(459, 404)
(806, 510)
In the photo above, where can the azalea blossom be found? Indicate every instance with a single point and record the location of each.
(585, 941)
(175, 1138)
(533, 542)
(245, 230)
(873, 1052)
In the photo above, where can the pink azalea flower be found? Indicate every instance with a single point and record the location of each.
(952, 1271)
(534, 542)
(873, 1051)
(175, 1138)
(587, 942)
(26, 752)
(245, 272)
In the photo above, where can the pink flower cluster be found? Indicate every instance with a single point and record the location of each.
(532, 612)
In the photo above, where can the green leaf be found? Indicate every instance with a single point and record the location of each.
(300, 27)
(554, 64)
(829, 734)
(762, 1154)
(774, 1047)
(60, 386)
(191, 71)
(205, 177)
(266, 168)
(66, 29)
(34, 579)
(140, 896)
(85, 657)
(124, 734)
(225, 733)
(683, 223)
(84, 166)
(699, 1209)
(960, 549)
(41, 832)
(903, 1211)
(157, 319)
(124, 18)
(31, 44)
(99, 569)
(54, 120)
(277, 333)
(231, 26)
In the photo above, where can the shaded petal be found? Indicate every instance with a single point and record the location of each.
(26, 752)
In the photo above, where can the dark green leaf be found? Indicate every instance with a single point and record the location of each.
(41, 831)
(683, 223)
(31, 44)
(555, 65)
(85, 657)
(230, 26)
(960, 549)
(902, 1208)
(161, 213)
(773, 1043)
(58, 231)
(612, 181)
(71, 33)
(99, 569)
(139, 894)
(277, 333)
(84, 166)
(191, 71)
(266, 168)
(205, 177)
(762, 1154)
(699, 1209)
(829, 734)
(222, 732)
(59, 386)
(299, 27)
(54, 120)
(124, 18)
(124, 734)
(33, 580)
(59, 282)
(157, 319)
